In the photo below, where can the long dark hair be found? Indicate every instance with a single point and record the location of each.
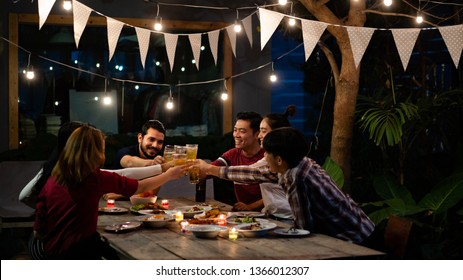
(275, 120)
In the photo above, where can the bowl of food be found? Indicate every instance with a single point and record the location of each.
(191, 211)
(255, 229)
(142, 199)
(156, 221)
(206, 231)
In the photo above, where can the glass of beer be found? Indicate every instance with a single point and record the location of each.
(168, 153)
(193, 171)
(191, 151)
(179, 155)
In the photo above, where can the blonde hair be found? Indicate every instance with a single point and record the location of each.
(82, 155)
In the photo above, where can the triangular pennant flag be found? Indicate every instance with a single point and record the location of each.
(232, 35)
(114, 31)
(44, 9)
(81, 14)
(247, 24)
(171, 46)
(143, 36)
(359, 38)
(453, 38)
(311, 33)
(405, 39)
(214, 43)
(195, 42)
(269, 22)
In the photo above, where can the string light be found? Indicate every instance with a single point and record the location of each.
(30, 74)
(419, 17)
(237, 26)
(170, 100)
(292, 19)
(224, 95)
(158, 21)
(282, 2)
(67, 5)
(387, 3)
(273, 76)
(106, 99)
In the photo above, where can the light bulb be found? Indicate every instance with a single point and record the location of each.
(419, 18)
(67, 5)
(237, 26)
(224, 96)
(158, 23)
(107, 100)
(170, 103)
(387, 3)
(292, 21)
(273, 77)
(282, 2)
(30, 74)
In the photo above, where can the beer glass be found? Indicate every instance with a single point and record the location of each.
(191, 151)
(168, 153)
(193, 172)
(179, 155)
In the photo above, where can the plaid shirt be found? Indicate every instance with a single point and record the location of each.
(254, 173)
(320, 206)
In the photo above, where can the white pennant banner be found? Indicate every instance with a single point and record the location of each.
(81, 14)
(311, 33)
(195, 42)
(453, 38)
(247, 24)
(232, 35)
(171, 46)
(269, 22)
(405, 40)
(359, 39)
(114, 31)
(143, 36)
(44, 10)
(214, 43)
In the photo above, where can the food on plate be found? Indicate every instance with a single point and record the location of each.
(244, 220)
(213, 213)
(195, 209)
(148, 206)
(145, 194)
(255, 226)
(158, 218)
(202, 221)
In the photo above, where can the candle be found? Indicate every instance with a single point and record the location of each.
(165, 203)
(110, 203)
(184, 224)
(178, 216)
(222, 221)
(232, 234)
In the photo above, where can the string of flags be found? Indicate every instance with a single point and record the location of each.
(404, 38)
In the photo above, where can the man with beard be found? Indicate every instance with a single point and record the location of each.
(150, 142)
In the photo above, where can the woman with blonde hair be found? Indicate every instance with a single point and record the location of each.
(67, 206)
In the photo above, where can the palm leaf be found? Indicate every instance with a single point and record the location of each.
(447, 194)
(334, 171)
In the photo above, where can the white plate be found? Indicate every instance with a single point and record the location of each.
(206, 231)
(246, 231)
(113, 210)
(246, 214)
(296, 232)
(232, 221)
(123, 227)
(156, 220)
(189, 213)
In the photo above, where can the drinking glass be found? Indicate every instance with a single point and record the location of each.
(168, 153)
(179, 155)
(193, 171)
(191, 151)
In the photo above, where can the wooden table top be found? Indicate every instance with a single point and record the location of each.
(169, 243)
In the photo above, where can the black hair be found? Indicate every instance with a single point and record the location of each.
(288, 143)
(253, 118)
(154, 124)
(275, 120)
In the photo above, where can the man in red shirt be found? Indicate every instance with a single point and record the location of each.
(247, 151)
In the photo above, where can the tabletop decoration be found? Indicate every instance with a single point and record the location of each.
(110, 203)
(179, 216)
(184, 225)
(165, 203)
(222, 220)
(232, 234)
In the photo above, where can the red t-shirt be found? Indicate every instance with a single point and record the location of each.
(67, 216)
(246, 193)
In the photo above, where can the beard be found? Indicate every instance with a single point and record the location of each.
(146, 154)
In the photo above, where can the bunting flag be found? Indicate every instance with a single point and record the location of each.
(44, 10)
(247, 24)
(232, 35)
(359, 39)
(269, 22)
(114, 31)
(453, 38)
(81, 14)
(195, 42)
(311, 33)
(143, 36)
(405, 40)
(214, 43)
(171, 45)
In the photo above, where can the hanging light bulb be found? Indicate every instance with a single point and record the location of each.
(387, 3)
(273, 76)
(30, 74)
(158, 21)
(292, 20)
(224, 95)
(282, 2)
(419, 18)
(67, 5)
(237, 26)
(106, 99)
(170, 101)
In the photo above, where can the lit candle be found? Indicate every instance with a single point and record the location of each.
(222, 221)
(110, 203)
(184, 224)
(179, 216)
(232, 234)
(165, 203)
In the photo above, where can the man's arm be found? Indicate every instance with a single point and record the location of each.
(134, 161)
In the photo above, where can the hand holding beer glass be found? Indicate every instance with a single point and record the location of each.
(191, 152)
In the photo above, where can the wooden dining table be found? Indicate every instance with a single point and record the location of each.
(170, 243)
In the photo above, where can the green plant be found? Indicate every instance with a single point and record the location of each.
(334, 171)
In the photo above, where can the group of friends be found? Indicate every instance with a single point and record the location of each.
(269, 167)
